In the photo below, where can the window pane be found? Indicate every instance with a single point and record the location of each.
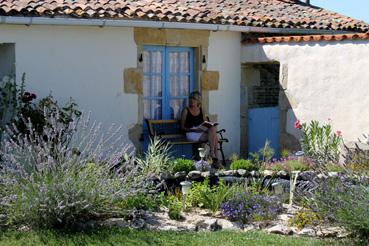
(152, 86)
(173, 62)
(179, 86)
(179, 62)
(156, 64)
(152, 62)
(184, 58)
(153, 109)
(146, 62)
(176, 107)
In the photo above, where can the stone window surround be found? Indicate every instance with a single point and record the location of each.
(204, 80)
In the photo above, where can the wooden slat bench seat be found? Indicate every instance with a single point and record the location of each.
(170, 131)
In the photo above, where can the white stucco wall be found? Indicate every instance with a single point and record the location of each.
(224, 56)
(327, 80)
(85, 63)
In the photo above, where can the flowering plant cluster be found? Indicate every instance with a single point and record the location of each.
(319, 142)
(247, 207)
(290, 164)
(51, 183)
(345, 201)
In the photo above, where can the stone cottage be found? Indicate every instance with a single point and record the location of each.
(260, 64)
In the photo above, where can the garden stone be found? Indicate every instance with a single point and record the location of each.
(138, 224)
(243, 173)
(180, 175)
(209, 224)
(249, 227)
(307, 176)
(194, 175)
(322, 176)
(254, 174)
(229, 225)
(24, 229)
(232, 179)
(284, 217)
(283, 174)
(307, 232)
(230, 173)
(220, 173)
(330, 232)
(207, 174)
(168, 228)
(166, 176)
(332, 174)
(115, 222)
(268, 173)
(280, 229)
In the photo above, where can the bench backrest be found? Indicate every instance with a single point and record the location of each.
(165, 128)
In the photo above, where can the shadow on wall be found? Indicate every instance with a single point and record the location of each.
(266, 108)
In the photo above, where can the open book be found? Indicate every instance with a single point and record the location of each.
(205, 125)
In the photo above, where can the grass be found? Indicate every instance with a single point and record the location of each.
(142, 238)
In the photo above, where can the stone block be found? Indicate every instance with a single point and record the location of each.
(149, 36)
(192, 38)
(133, 80)
(210, 80)
(171, 37)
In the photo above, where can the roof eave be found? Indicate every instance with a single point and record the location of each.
(66, 21)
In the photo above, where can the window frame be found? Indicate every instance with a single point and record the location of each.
(166, 75)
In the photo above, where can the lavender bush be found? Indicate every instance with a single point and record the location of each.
(57, 180)
(247, 207)
(344, 201)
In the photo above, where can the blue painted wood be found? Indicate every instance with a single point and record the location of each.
(263, 124)
(165, 97)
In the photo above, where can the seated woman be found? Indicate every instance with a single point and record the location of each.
(192, 117)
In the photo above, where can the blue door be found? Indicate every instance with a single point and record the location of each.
(263, 124)
(168, 81)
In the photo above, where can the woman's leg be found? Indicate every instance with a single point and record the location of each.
(211, 136)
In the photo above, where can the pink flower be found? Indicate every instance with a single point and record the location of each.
(339, 133)
(297, 124)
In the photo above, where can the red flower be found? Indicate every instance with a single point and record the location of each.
(297, 124)
(339, 133)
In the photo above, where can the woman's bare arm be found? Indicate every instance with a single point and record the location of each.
(183, 120)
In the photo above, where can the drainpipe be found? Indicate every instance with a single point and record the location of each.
(59, 21)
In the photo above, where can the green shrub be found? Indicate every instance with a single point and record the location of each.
(141, 200)
(175, 208)
(157, 158)
(319, 142)
(243, 164)
(180, 165)
(304, 217)
(285, 153)
(344, 203)
(195, 198)
(264, 155)
(295, 165)
(60, 184)
(209, 197)
(332, 167)
(278, 167)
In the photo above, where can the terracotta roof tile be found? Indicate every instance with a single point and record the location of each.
(308, 38)
(259, 13)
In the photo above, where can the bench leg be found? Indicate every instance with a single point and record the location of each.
(222, 153)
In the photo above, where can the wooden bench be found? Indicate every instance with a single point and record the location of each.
(170, 131)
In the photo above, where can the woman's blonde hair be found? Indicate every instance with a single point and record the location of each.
(196, 95)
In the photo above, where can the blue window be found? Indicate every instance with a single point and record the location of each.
(168, 80)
